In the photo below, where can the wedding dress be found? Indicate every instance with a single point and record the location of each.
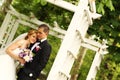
(7, 64)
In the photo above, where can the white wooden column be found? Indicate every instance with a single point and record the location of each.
(95, 66)
(71, 43)
(74, 39)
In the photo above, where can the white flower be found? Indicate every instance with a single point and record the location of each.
(26, 54)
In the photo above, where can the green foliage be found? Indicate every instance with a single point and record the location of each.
(87, 61)
(44, 11)
(108, 28)
(102, 4)
(43, 2)
(21, 29)
(1, 18)
(27, 6)
(110, 68)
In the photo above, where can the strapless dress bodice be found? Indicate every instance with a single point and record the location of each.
(17, 51)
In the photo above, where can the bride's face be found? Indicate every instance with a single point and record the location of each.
(32, 38)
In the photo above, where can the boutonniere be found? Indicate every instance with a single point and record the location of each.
(37, 48)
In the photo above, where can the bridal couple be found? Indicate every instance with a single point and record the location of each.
(36, 41)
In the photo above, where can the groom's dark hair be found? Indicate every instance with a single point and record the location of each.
(46, 28)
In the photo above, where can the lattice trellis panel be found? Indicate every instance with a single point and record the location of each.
(8, 30)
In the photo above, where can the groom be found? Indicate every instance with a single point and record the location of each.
(42, 50)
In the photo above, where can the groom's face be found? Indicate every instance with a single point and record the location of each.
(41, 34)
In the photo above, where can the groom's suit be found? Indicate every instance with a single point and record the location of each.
(31, 70)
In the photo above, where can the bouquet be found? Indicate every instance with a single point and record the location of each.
(26, 54)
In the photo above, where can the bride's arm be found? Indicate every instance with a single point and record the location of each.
(12, 47)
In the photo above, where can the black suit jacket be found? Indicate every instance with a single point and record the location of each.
(40, 59)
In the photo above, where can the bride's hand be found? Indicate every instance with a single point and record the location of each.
(22, 61)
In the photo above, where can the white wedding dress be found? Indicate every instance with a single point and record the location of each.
(7, 64)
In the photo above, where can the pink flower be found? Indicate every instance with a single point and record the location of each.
(37, 48)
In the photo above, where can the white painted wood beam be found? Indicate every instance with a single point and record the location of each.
(63, 4)
(92, 6)
(24, 17)
(95, 65)
(89, 46)
(92, 42)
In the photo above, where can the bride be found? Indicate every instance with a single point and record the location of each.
(10, 55)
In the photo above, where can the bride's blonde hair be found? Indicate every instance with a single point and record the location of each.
(30, 32)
